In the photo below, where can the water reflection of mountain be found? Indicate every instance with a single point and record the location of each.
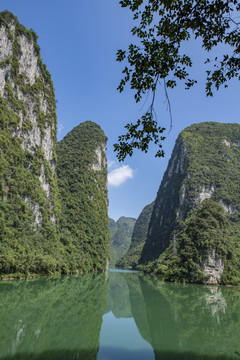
(61, 318)
(118, 296)
(184, 321)
(56, 318)
(179, 321)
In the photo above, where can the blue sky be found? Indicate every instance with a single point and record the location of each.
(78, 41)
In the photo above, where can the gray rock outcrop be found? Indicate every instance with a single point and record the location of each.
(26, 88)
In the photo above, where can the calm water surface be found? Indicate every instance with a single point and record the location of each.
(125, 316)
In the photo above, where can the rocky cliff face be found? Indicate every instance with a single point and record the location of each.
(27, 89)
(204, 164)
(82, 175)
(168, 201)
(28, 191)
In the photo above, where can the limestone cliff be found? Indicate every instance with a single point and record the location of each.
(204, 164)
(167, 202)
(29, 201)
(82, 175)
(28, 190)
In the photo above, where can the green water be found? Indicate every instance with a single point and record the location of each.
(125, 316)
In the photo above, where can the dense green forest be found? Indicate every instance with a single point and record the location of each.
(82, 180)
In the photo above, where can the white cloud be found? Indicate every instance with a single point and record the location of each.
(59, 128)
(111, 163)
(118, 176)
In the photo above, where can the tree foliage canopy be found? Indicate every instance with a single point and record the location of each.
(158, 59)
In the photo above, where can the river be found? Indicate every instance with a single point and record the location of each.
(122, 316)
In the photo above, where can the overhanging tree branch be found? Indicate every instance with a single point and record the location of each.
(163, 26)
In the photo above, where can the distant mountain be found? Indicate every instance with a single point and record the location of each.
(121, 234)
(113, 227)
(131, 258)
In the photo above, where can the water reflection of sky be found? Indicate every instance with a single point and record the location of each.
(121, 333)
(122, 271)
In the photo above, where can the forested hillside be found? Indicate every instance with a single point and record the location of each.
(121, 235)
(131, 258)
(82, 180)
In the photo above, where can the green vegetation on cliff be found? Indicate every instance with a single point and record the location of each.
(29, 214)
(139, 236)
(121, 234)
(204, 164)
(112, 227)
(30, 209)
(82, 180)
(204, 233)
